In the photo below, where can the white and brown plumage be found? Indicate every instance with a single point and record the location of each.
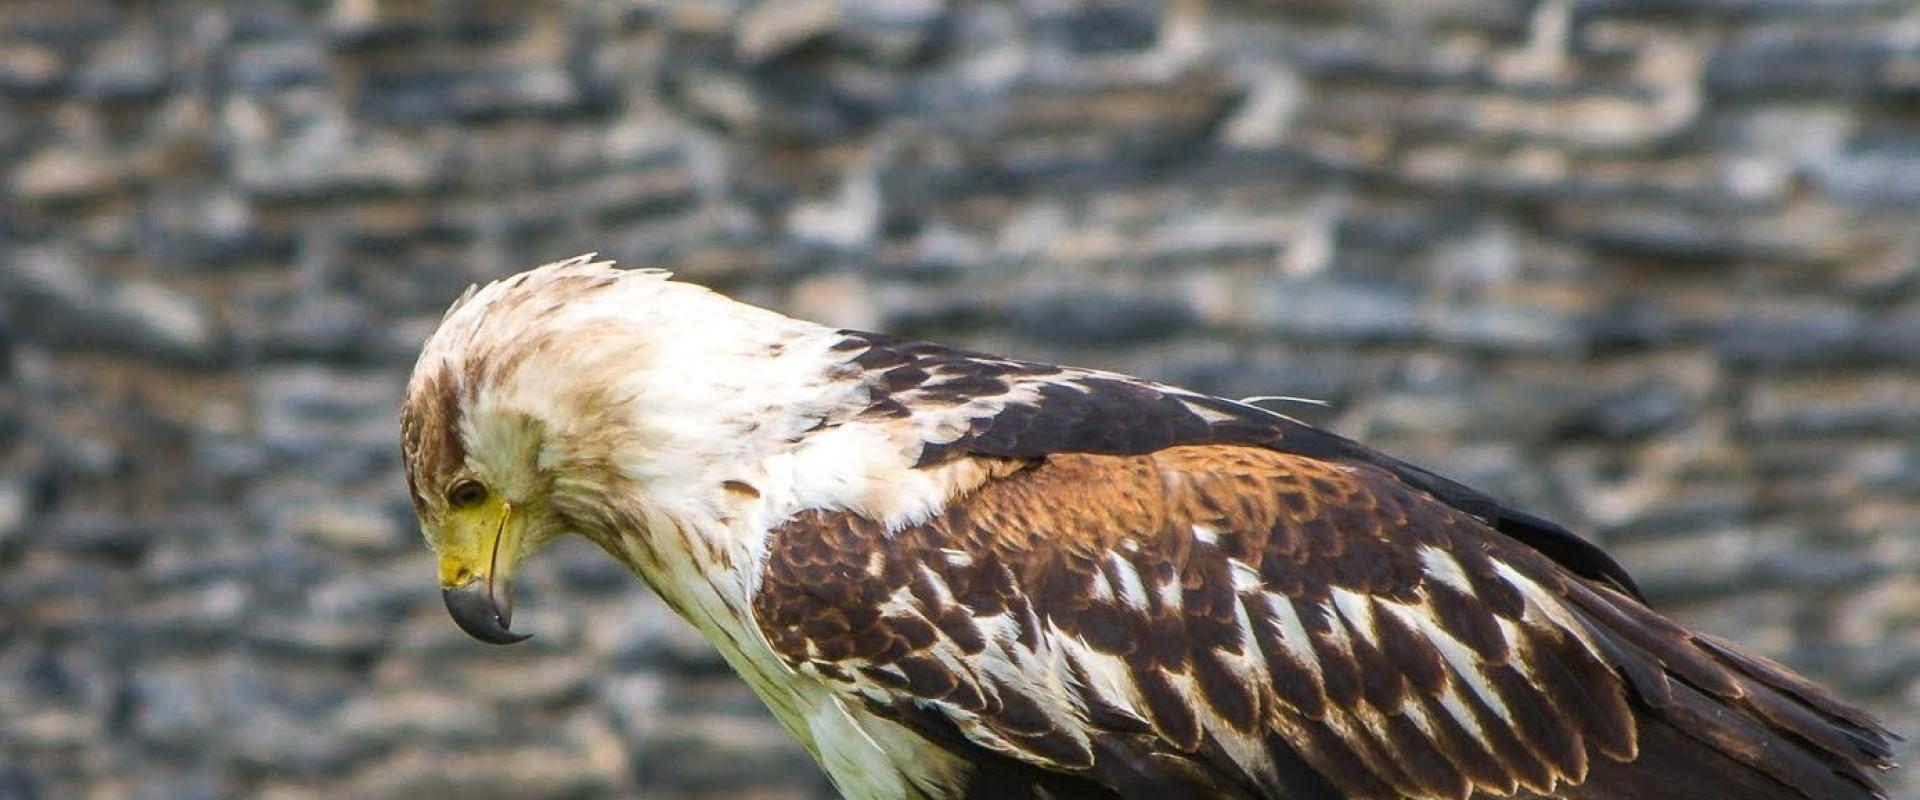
(954, 575)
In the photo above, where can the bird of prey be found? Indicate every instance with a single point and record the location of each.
(955, 575)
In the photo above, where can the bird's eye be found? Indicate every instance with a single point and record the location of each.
(466, 494)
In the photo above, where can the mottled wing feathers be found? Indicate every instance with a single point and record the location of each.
(975, 404)
(1226, 621)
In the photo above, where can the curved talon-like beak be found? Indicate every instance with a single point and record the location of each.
(476, 578)
(473, 608)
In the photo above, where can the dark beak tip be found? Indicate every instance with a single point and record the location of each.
(475, 612)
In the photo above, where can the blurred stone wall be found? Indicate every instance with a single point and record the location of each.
(1651, 267)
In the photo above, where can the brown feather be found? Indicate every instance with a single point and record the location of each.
(1097, 559)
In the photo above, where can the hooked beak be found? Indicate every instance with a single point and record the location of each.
(474, 608)
(480, 599)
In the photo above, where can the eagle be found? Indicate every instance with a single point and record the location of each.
(950, 574)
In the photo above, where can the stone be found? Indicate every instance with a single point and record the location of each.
(1816, 569)
(1632, 324)
(1330, 310)
(360, 25)
(643, 635)
(208, 231)
(27, 68)
(1879, 170)
(1690, 511)
(1731, 8)
(383, 721)
(895, 33)
(1792, 62)
(13, 509)
(61, 22)
(97, 535)
(310, 325)
(592, 572)
(1895, 337)
(300, 637)
(49, 676)
(49, 295)
(1815, 336)
(17, 782)
(1872, 404)
(847, 219)
(1681, 238)
(716, 97)
(279, 742)
(543, 770)
(129, 67)
(934, 318)
(1633, 412)
(68, 174)
(279, 64)
(349, 527)
(1109, 28)
(769, 30)
(701, 747)
(1896, 471)
(1097, 317)
(323, 164)
(194, 784)
(1504, 327)
(336, 424)
(431, 95)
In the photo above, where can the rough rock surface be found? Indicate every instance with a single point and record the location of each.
(1652, 268)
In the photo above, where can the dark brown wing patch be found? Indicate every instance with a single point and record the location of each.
(1241, 622)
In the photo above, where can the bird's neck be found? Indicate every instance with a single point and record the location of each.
(696, 561)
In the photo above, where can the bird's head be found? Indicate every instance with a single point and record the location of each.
(580, 398)
(484, 502)
(509, 427)
(484, 480)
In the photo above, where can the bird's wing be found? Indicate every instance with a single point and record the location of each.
(977, 404)
(1231, 621)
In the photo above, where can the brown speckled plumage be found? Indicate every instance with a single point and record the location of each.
(897, 619)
